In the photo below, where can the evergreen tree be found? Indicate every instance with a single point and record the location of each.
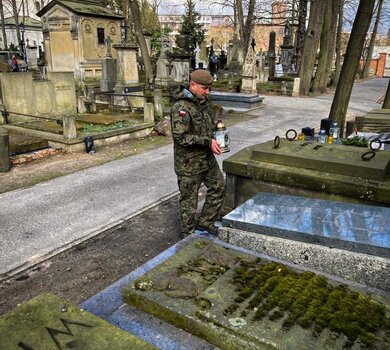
(191, 33)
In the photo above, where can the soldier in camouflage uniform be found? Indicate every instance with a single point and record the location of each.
(193, 125)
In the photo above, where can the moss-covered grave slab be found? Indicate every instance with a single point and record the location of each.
(50, 323)
(237, 301)
(309, 169)
(337, 159)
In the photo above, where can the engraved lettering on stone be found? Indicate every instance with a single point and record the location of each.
(63, 88)
(54, 332)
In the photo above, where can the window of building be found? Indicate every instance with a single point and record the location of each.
(100, 36)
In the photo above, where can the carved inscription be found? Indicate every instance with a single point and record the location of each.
(60, 88)
(53, 333)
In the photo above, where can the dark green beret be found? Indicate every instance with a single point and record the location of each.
(202, 77)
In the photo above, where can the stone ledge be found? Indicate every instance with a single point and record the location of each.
(361, 268)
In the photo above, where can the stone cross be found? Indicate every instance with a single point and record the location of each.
(108, 42)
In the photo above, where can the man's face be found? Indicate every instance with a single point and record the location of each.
(200, 91)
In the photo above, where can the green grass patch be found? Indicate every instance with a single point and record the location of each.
(96, 128)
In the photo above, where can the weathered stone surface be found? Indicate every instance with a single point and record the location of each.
(47, 322)
(337, 159)
(258, 169)
(200, 290)
(4, 151)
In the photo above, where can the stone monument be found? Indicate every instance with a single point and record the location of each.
(109, 70)
(271, 54)
(287, 50)
(248, 84)
(163, 65)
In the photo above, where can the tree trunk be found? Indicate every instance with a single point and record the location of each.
(135, 12)
(3, 26)
(342, 95)
(366, 68)
(338, 44)
(310, 47)
(248, 26)
(386, 102)
(240, 20)
(16, 17)
(326, 54)
(300, 38)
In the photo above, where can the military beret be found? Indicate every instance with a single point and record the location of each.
(202, 77)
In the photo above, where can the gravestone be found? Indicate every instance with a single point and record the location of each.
(109, 70)
(48, 322)
(308, 169)
(128, 69)
(236, 300)
(287, 50)
(180, 70)
(163, 65)
(5, 164)
(248, 84)
(271, 54)
(64, 92)
(351, 241)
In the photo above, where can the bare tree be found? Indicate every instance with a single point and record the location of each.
(312, 38)
(338, 44)
(5, 47)
(327, 47)
(342, 95)
(370, 50)
(300, 36)
(136, 16)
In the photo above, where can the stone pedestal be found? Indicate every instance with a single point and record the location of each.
(308, 169)
(295, 92)
(158, 110)
(32, 59)
(69, 127)
(4, 151)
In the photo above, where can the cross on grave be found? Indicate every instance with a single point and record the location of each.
(108, 42)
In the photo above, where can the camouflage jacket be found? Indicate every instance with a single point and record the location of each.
(193, 126)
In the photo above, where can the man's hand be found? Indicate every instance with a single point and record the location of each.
(215, 147)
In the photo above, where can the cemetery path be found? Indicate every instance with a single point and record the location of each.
(127, 208)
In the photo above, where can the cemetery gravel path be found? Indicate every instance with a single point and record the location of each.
(86, 268)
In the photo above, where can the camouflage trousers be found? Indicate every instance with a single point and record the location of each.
(189, 187)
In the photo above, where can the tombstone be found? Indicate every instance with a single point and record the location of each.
(5, 164)
(287, 50)
(248, 84)
(278, 71)
(222, 60)
(234, 63)
(32, 58)
(163, 65)
(109, 70)
(271, 54)
(180, 70)
(295, 92)
(127, 65)
(212, 60)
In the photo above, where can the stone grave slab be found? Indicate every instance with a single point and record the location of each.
(238, 301)
(355, 227)
(308, 169)
(339, 159)
(237, 100)
(48, 322)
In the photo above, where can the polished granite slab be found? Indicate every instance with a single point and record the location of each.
(354, 227)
